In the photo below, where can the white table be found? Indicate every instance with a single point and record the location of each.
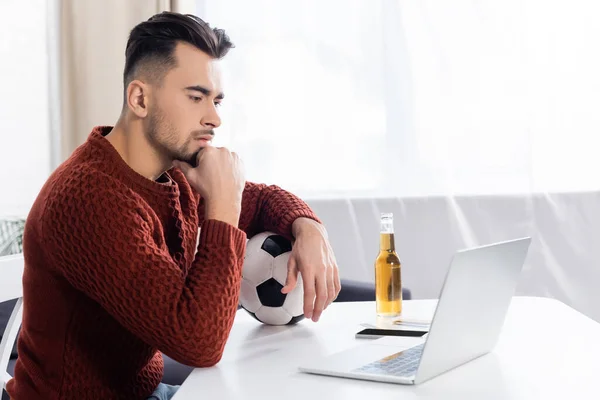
(546, 351)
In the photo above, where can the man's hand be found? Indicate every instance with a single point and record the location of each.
(313, 257)
(219, 179)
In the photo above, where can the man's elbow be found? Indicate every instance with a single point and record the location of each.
(202, 352)
(201, 358)
(210, 362)
(207, 360)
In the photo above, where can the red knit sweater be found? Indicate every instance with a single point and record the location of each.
(112, 276)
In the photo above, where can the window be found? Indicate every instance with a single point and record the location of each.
(403, 98)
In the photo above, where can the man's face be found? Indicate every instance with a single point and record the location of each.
(183, 110)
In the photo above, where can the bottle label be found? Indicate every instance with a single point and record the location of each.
(387, 223)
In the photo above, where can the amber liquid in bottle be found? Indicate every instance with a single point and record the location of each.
(388, 281)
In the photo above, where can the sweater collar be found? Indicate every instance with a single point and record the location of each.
(97, 139)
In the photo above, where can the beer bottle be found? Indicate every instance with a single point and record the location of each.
(388, 283)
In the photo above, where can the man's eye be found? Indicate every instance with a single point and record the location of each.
(217, 104)
(195, 99)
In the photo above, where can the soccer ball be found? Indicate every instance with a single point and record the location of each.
(263, 276)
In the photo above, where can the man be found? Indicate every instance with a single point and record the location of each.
(115, 272)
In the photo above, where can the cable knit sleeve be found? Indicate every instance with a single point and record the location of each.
(113, 251)
(269, 208)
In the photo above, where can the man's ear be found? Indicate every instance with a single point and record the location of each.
(137, 98)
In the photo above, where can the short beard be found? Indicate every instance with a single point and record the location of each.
(163, 137)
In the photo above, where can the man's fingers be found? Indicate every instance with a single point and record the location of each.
(183, 166)
(309, 295)
(336, 282)
(292, 276)
(331, 294)
(321, 290)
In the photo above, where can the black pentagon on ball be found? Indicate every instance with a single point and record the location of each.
(276, 245)
(253, 315)
(295, 319)
(269, 293)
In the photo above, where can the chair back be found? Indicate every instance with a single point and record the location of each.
(11, 288)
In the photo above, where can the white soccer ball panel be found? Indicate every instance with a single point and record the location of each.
(280, 268)
(256, 241)
(258, 266)
(294, 301)
(273, 315)
(248, 296)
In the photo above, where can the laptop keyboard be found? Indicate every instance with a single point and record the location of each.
(404, 363)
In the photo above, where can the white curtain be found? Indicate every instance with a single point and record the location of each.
(472, 121)
(24, 116)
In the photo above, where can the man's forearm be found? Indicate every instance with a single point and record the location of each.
(273, 209)
(304, 224)
(228, 213)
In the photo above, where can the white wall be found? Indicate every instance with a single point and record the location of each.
(24, 112)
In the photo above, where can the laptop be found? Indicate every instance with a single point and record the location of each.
(471, 310)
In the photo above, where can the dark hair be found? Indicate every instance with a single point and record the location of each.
(152, 43)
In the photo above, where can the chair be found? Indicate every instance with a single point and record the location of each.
(11, 288)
